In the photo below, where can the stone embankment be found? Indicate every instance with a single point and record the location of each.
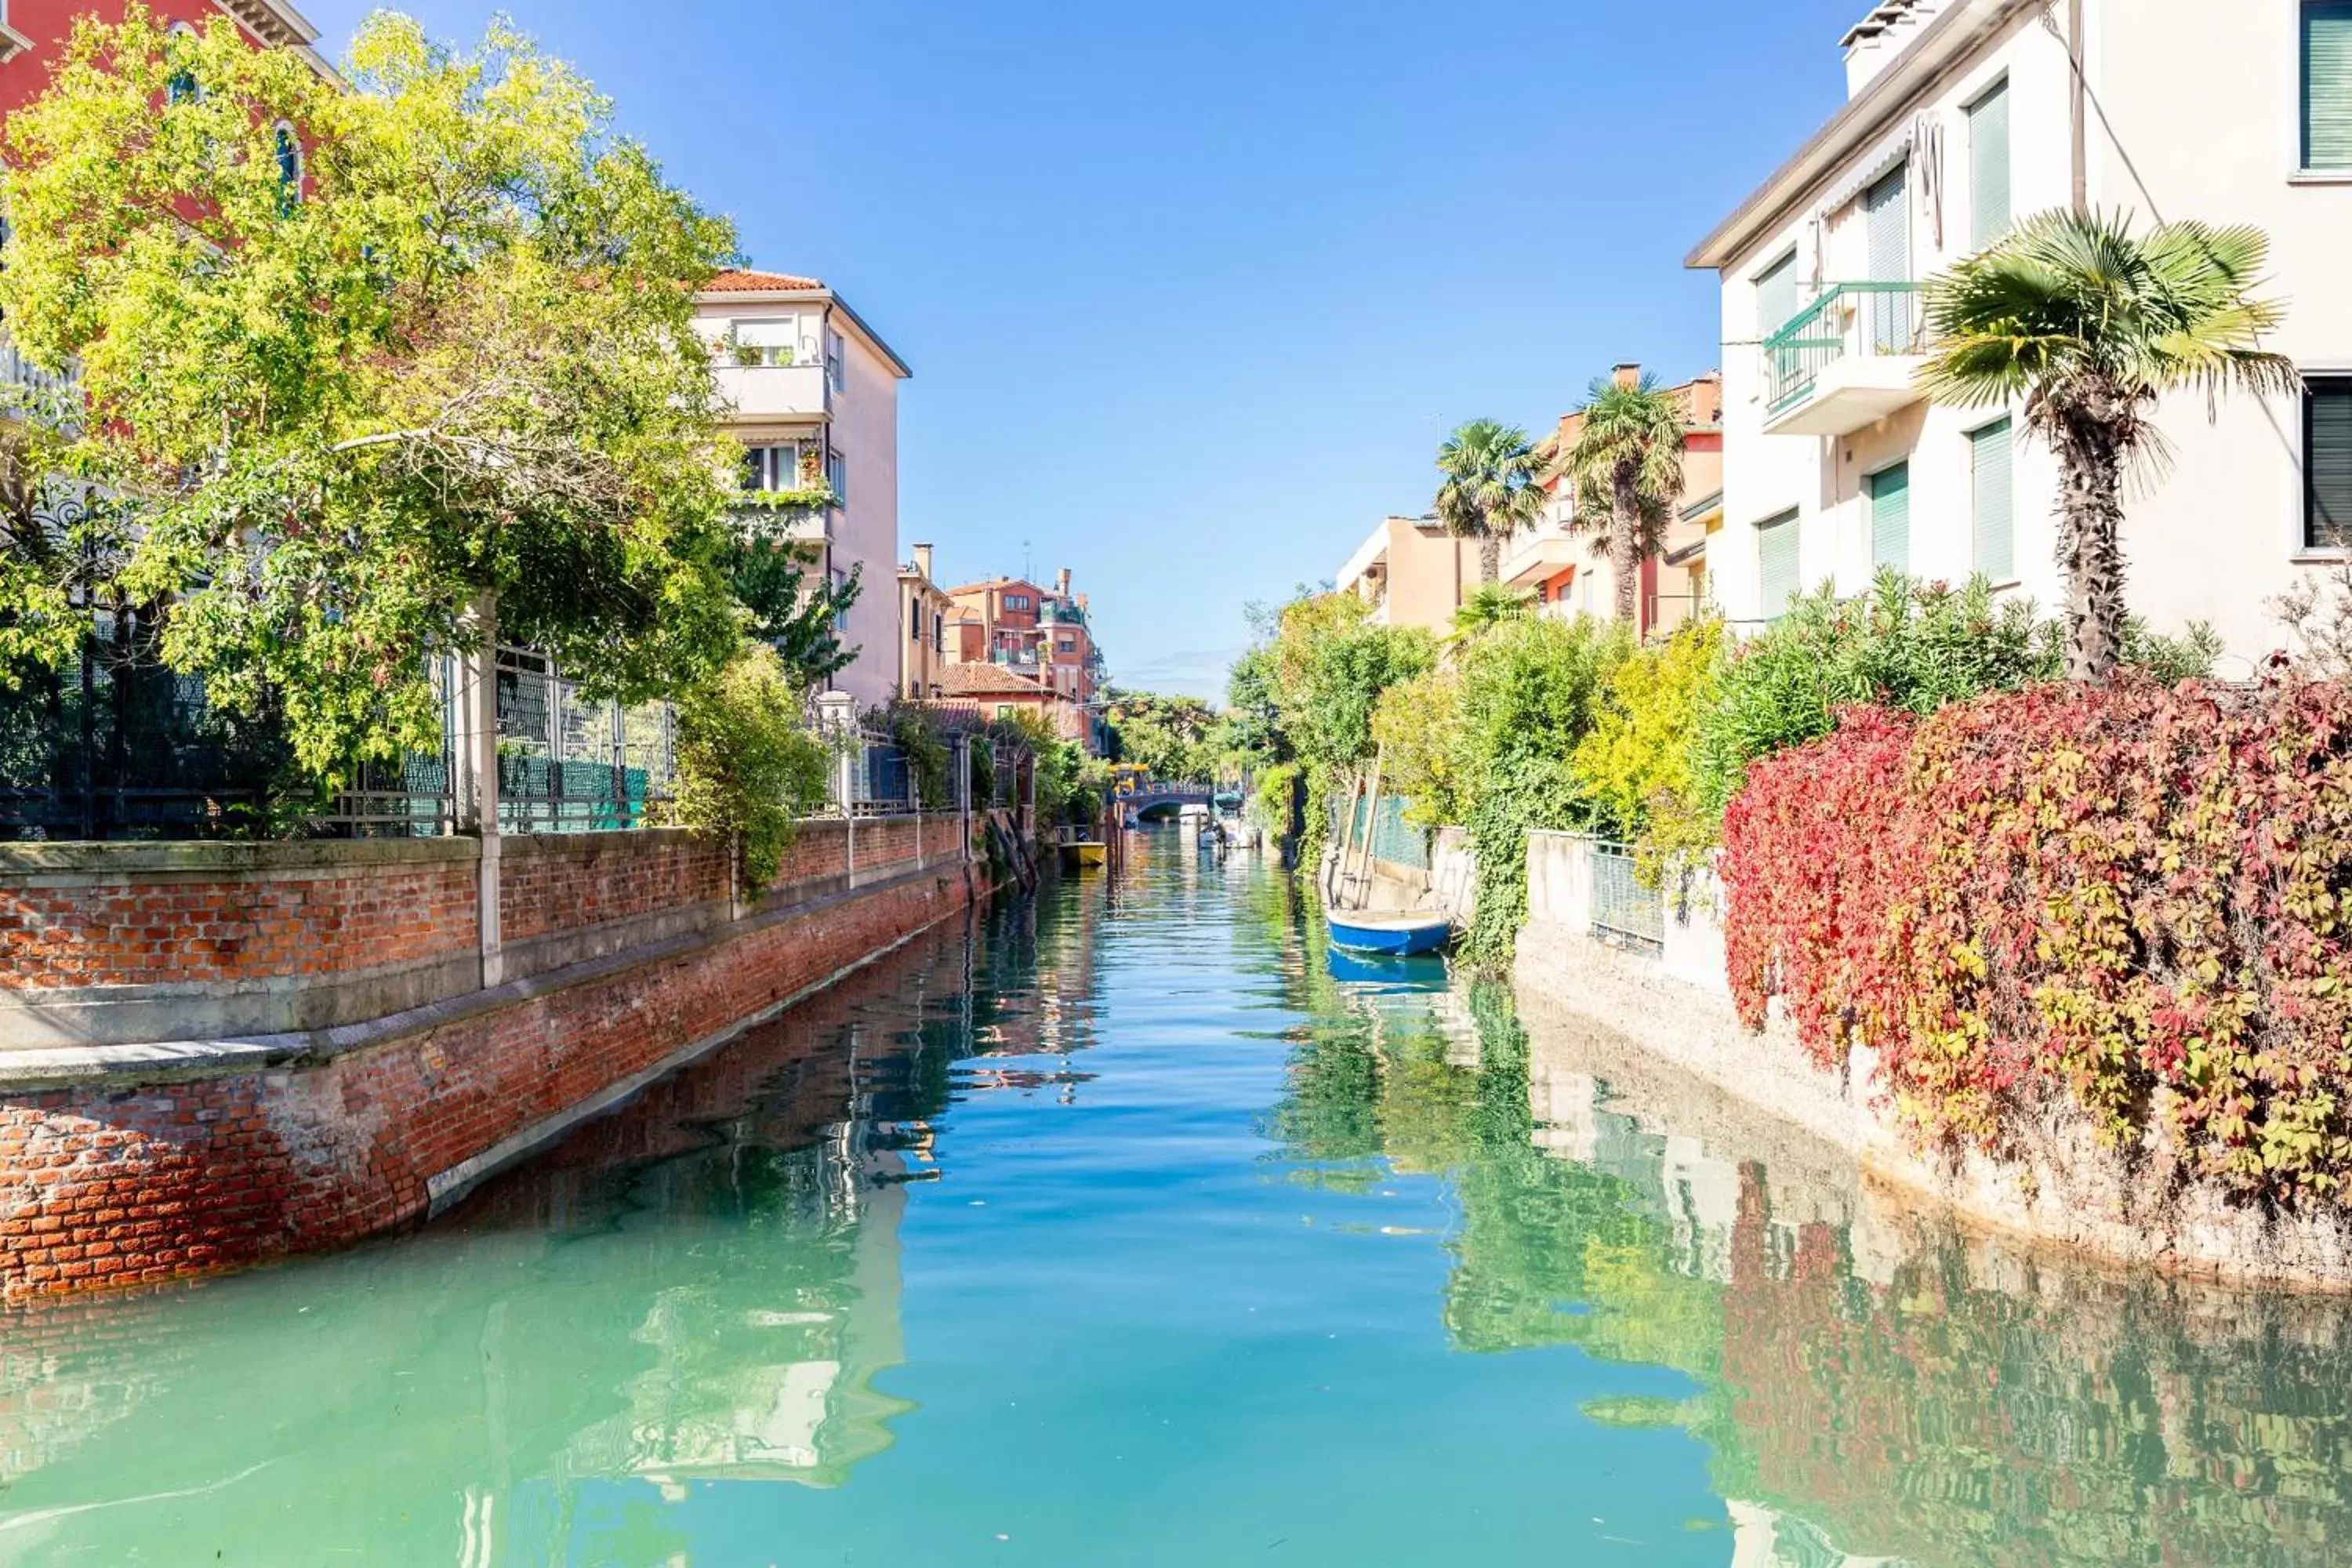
(216, 1054)
(1669, 999)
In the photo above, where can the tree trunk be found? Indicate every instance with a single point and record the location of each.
(2089, 545)
(1626, 546)
(1490, 558)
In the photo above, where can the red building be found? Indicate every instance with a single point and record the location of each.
(1044, 634)
(33, 33)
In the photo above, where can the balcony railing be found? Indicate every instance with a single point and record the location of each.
(28, 392)
(1849, 321)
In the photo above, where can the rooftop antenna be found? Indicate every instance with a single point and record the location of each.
(1026, 569)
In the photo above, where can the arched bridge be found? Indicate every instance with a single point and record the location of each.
(1159, 799)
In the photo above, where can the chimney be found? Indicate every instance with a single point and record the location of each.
(1062, 583)
(923, 561)
(1627, 376)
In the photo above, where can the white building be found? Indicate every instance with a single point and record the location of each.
(1962, 117)
(816, 398)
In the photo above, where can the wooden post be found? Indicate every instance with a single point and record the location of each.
(1371, 827)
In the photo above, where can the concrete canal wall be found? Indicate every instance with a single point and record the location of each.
(214, 1054)
(2062, 1187)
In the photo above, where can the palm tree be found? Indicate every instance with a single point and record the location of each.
(2091, 325)
(1490, 605)
(1627, 467)
(1493, 488)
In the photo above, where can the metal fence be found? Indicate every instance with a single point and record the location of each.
(1625, 910)
(570, 766)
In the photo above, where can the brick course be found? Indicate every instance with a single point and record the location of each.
(109, 1187)
(143, 933)
(555, 882)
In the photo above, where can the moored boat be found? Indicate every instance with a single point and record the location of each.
(1402, 932)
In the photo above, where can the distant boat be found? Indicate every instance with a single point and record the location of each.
(1088, 854)
(1400, 934)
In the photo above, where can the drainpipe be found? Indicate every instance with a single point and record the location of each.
(2076, 92)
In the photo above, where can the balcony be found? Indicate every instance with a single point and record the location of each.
(1534, 558)
(768, 385)
(1849, 359)
(29, 393)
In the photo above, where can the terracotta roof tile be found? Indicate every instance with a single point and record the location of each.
(744, 280)
(989, 680)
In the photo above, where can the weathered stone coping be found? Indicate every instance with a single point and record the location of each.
(35, 863)
(179, 1061)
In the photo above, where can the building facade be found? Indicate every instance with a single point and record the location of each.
(1963, 117)
(1410, 572)
(814, 398)
(1045, 635)
(924, 609)
(1568, 573)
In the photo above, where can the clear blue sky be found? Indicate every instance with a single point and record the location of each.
(1192, 292)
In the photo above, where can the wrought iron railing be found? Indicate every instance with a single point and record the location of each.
(1849, 320)
(567, 764)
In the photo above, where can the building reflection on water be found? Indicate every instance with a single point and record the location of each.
(703, 1288)
(1874, 1386)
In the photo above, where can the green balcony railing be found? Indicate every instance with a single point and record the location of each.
(1849, 320)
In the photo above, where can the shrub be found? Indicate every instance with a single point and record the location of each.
(745, 766)
(1530, 693)
(1904, 644)
(1635, 763)
(915, 730)
(2130, 899)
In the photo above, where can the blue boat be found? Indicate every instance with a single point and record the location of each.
(1400, 934)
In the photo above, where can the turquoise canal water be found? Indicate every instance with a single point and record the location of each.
(1126, 1229)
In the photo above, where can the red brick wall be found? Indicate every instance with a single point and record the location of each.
(816, 854)
(196, 927)
(102, 1188)
(553, 882)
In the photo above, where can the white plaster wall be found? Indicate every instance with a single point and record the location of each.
(1823, 478)
(866, 434)
(2221, 534)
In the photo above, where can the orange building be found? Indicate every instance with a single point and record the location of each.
(1045, 635)
(1570, 574)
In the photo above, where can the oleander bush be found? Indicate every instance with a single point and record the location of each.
(2128, 898)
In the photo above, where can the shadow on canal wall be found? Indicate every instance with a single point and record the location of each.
(212, 1055)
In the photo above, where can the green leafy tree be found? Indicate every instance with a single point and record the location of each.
(746, 766)
(456, 364)
(1490, 605)
(1627, 467)
(1169, 736)
(1491, 487)
(2091, 325)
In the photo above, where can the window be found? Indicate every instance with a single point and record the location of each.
(1067, 645)
(2327, 84)
(1992, 500)
(772, 342)
(836, 474)
(1016, 600)
(773, 468)
(914, 620)
(290, 168)
(2327, 463)
(1890, 516)
(1776, 545)
(835, 372)
(1776, 296)
(939, 632)
(1989, 167)
(182, 86)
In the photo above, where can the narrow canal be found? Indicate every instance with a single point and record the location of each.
(1129, 1228)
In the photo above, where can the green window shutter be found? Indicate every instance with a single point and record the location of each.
(1776, 296)
(2327, 463)
(2327, 84)
(1776, 544)
(1992, 499)
(1890, 517)
(1989, 166)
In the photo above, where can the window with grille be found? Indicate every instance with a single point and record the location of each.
(1776, 544)
(1992, 500)
(2327, 463)
(1988, 207)
(2327, 84)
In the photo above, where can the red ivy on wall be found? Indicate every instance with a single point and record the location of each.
(2132, 896)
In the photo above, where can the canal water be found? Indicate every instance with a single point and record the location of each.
(1129, 1226)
